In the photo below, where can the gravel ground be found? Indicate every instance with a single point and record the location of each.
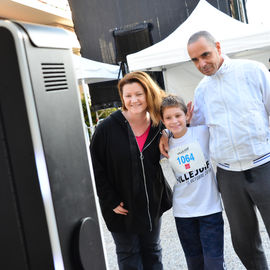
(173, 256)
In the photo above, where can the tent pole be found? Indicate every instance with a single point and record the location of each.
(87, 101)
(165, 79)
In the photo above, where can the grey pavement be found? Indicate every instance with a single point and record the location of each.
(173, 256)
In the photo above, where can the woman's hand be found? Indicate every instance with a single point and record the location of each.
(163, 144)
(120, 209)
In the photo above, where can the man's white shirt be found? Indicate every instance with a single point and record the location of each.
(235, 104)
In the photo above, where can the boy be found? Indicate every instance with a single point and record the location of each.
(196, 201)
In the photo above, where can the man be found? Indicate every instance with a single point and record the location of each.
(233, 100)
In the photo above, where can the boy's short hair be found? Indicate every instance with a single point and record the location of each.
(172, 101)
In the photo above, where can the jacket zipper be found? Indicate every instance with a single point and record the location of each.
(227, 115)
(144, 178)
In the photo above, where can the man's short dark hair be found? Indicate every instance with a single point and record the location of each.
(203, 34)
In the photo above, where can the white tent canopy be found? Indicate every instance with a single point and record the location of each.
(89, 71)
(170, 55)
(92, 71)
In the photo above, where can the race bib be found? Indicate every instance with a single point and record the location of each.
(186, 158)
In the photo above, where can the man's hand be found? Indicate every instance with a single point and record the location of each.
(163, 144)
(120, 209)
(189, 112)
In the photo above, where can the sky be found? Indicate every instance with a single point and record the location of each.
(258, 11)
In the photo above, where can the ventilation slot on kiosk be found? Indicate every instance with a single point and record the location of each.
(54, 76)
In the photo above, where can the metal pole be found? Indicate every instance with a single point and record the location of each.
(87, 101)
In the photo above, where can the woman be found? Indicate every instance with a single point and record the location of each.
(131, 188)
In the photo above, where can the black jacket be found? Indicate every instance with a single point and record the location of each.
(124, 174)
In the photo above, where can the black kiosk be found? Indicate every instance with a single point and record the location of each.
(49, 218)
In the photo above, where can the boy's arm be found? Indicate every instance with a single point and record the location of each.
(167, 170)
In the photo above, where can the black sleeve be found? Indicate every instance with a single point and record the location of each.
(105, 190)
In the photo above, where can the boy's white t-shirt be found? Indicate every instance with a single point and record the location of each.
(195, 190)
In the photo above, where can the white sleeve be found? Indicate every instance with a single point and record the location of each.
(167, 171)
(198, 113)
(264, 81)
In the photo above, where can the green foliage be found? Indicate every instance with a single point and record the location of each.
(104, 113)
(107, 112)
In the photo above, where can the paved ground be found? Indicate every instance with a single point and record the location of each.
(173, 257)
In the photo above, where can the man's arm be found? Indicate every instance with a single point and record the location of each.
(197, 111)
(190, 110)
(264, 80)
(164, 143)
